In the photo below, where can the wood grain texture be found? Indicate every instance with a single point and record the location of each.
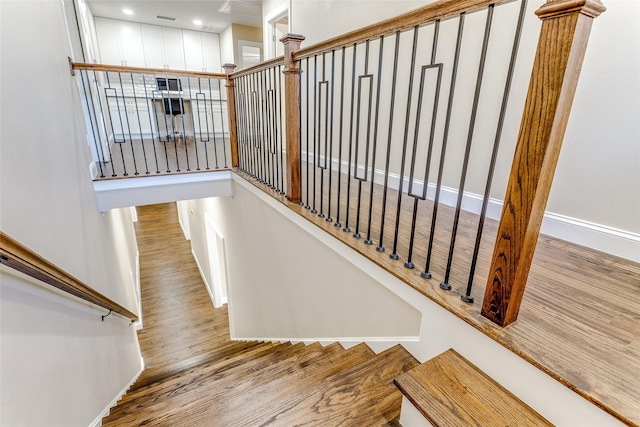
(580, 317)
(17, 256)
(450, 391)
(141, 70)
(292, 115)
(197, 376)
(231, 111)
(561, 48)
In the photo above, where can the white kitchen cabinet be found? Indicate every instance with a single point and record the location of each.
(211, 53)
(162, 47)
(120, 42)
(201, 51)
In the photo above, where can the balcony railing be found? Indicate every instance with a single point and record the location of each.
(152, 122)
(370, 119)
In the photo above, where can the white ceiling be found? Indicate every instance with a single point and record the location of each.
(215, 15)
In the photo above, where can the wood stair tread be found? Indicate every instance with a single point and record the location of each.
(450, 391)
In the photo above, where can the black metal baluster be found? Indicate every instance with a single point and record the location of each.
(91, 120)
(126, 116)
(394, 255)
(434, 115)
(276, 129)
(153, 137)
(368, 133)
(263, 133)
(368, 240)
(268, 127)
(251, 110)
(213, 127)
(315, 127)
(106, 130)
(307, 206)
(323, 165)
(353, 88)
(184, 129)
(380, 247)
(494, 154)
(193, 120)
(467, 152)
(240, 114)
(333, 57)
(224, 144)
(337, 223)
(124, 166)
(454, 72)
(281, 150)
(135, 101)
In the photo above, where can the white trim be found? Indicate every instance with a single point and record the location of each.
(97, 422)
(204, 279)
(603, 238)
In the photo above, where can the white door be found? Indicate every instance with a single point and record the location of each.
(131, 44)
(173, 49)
(153, 46)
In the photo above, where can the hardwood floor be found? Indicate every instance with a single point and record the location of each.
(580, 317)
(196, 376)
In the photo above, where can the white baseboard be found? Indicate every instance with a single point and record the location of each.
(599, 237)
(98, 421)
(204, 279)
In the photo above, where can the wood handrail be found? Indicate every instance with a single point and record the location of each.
(140, 70)
(17, 256)
(424, 15)
(258, 67)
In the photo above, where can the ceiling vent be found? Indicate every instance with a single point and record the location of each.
(211, 29)
(242, 7)
(166, 18)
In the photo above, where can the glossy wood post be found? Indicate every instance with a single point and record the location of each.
(561, 47)
(231, 110)
(292, 114)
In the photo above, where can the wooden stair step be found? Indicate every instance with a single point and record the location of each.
(255, 396)
(362, 394)
(176, 392)
(450, 391)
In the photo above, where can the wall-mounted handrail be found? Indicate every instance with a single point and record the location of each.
(17, 256)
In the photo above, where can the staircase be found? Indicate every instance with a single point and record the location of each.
(276, 385)
(197, 376)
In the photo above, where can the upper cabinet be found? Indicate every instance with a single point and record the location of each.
(120, 42)
(201, 51)
(162, 47)
(152, 46)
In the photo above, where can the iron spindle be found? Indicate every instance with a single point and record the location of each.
(213, 127)
(494, 154)
(315, 126)
(425, 181)
(213, 124)
(326, 140)
(106, 130)
(333, 58)
(279, 97)
(135, 101)
(307, 206)
(264, 108)
(368, 240)
(353, 87)
(93, 132)
(193, 123)
(153, 138)
(394, 255)
(184, 131)
(368, 133)
(337, 223)
(380, 247)
(124, 166)
(126, 116)
(467, 152)
(426, 274)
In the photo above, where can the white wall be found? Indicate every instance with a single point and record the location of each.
(54, 352)
(598, 175)
(283, 285)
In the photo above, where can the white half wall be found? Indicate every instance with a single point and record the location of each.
(285, 286)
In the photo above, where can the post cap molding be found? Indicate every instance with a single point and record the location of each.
(555, 8)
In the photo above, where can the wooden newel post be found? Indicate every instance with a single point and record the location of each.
(561, 47)
(231, 107)
(292, 114)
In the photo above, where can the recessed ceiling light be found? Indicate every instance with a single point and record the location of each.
(197, 22)
(127, 11)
